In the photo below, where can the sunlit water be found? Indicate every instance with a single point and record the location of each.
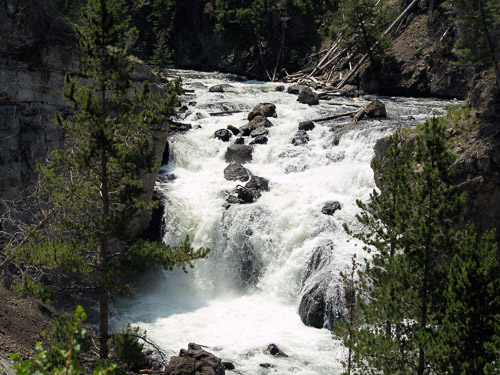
(211, 305)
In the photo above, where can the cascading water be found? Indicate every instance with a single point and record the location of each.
(265, 255)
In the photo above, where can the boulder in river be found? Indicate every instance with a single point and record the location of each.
(306, 125)
(239, 141)
(330, 207)
(263, 109)
(375, 109)
(245, 195)
(280, 88)
(219, 88)
(259, 140)
(223, 134)
(258, 183)
(294, 89)
(255, 123)
(233, 129)
(236, 172)
(239, 153)
(195, 360)
(275, 351)
(308, 96)
(312, 307)
(300, 138)
(259, 131)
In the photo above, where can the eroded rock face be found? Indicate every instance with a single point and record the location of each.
(195, 361)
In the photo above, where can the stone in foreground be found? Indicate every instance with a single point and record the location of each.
(195, 360)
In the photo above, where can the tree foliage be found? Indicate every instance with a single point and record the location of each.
(410, 227)
(364, 22)
(479, 21)
(64, 359)
(96, 181)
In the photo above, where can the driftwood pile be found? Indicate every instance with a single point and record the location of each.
(340, 62)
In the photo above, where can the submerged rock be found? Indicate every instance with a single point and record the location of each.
(235, 172)
(275, 351)
(195, 360)
(239, 153)
(300, 138)
(263, 109)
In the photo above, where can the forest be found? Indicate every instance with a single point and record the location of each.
(92, 108)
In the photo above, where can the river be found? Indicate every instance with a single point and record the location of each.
(217, 303)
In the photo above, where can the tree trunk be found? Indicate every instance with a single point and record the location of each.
(104, 255)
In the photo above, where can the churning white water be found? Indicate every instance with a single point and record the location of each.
(245, 295)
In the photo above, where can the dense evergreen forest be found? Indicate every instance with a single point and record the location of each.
(425, 302)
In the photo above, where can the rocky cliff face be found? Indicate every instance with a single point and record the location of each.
(31, 79)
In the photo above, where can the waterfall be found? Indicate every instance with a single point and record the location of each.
(265, 256)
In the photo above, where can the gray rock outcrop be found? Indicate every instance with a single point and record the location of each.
(195, 361)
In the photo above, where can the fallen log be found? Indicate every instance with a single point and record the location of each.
(347, 104)
(398, 20)
(225, 113)
(333, 117)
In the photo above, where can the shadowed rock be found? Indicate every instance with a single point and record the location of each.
(235, 172)
(195, 360)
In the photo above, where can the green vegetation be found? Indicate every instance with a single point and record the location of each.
(162, 57)
(403, 324)
(95, 183)
(364, 22)
(480, 23)
(61, 359)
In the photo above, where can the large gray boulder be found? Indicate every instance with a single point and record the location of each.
(195, 361)
(239, 153)
(263, 109)
(375, 109)
(308, 96)
(236, 172)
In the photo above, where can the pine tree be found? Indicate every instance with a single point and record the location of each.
(410, 229)
(470, 335)
(480, 23)
(96, 180)
(365, 22)
(162, 57)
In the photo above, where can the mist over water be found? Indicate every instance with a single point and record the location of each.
(245, 295)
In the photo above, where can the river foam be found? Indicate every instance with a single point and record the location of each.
(237, 316)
